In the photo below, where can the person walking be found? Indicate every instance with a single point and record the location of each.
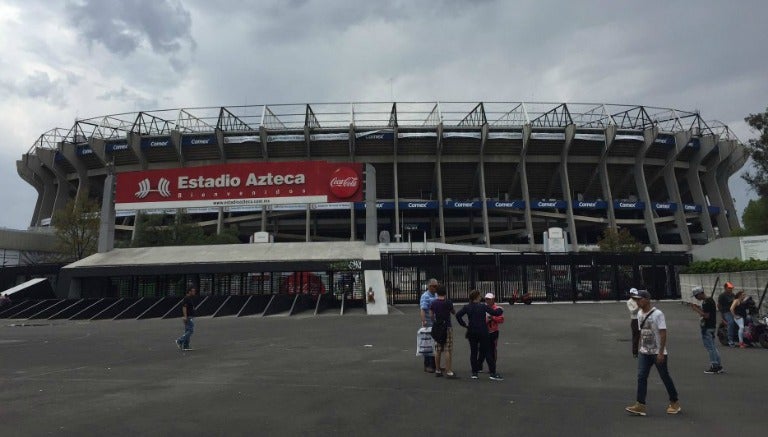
(724, 302)
(708, 322)
(493, 323)
(426, 320)
(739, 311)
(188, 314)
(652, 351)
(477, 334)
(441, 310)
(633, 308)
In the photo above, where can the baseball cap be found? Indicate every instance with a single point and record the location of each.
(641, 294)
(632, 292)
(489, 296)
(697, 290)
(728, 285)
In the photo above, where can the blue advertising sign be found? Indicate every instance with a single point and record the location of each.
(713, 209)
(626, 204)
(594, 204)
(506, 204)
(198, 140)
(463, 205)
(429, 204)
(660, 206)
(546, 204)
(151, 143)
(360, 206)
(375, 135)
(84, 150)
(695, 143)
(114, 147)
(689, 207)
(668, 140)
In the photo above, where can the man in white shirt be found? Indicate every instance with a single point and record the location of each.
(652, 351)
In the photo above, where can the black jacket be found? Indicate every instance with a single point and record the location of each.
(476, 312)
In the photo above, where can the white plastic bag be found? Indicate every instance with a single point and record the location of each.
(425, 345)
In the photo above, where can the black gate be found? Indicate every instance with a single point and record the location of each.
(542, 277)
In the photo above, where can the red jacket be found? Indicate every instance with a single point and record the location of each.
(494, 321)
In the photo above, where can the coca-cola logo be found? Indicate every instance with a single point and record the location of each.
(344, 182)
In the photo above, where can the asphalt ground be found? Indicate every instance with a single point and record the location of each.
(568, 371)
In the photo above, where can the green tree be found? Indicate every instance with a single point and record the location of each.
(755, 217)
(758, 151)
(77, 228)
(618, 240)
(176, 230)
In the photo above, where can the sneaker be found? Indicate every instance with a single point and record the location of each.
(429, 370)
(673, 408)
(178, 344)
(637, 409)
(438, 374)
(496, 377)
(712, 370)
(187, 349)
(474, 375)
(719, 369)
(451, 375)
(743, 345)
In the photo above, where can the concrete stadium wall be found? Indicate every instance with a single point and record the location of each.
(14, 239)
(726, 248)
(752, 283)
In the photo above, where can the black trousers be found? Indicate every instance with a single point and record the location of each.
(479, 351)
(635, 336)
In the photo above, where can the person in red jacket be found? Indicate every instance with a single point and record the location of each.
(493, 323)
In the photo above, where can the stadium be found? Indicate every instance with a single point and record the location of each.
(489, 174)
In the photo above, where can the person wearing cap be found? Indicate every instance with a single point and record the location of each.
(477, 334)
(708, 322)
(724, 302)
(633, 308)
(652, 352)
(493, 323)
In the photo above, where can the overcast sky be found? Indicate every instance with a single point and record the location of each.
(81, 58)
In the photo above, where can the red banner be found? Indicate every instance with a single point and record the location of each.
(242, 184)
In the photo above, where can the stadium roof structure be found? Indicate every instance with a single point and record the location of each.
(334, 116)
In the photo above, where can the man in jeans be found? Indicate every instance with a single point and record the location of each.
(708, 313)
(652, 351)
(724, 302)
(188, 313)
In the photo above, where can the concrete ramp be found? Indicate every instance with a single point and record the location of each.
(38, 288)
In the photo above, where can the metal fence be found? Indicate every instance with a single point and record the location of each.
(541, 277)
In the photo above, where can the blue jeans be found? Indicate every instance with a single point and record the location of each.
(728, 317)
(644, 364)
(708, 338)
(189, 328)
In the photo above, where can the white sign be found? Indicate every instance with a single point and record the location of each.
(754, 247)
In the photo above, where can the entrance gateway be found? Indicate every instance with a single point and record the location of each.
(300, 269)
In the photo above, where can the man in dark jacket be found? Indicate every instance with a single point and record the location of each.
(477, 334)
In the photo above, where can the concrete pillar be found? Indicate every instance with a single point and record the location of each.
(706, 144)
(524, 186)
(570, 133)
(483, 194)
(649, 135)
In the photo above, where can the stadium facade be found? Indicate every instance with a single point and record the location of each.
(493, 173)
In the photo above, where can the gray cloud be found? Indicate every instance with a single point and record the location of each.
(122, 26)
(130, 97)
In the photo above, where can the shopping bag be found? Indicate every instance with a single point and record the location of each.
(425, 345)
